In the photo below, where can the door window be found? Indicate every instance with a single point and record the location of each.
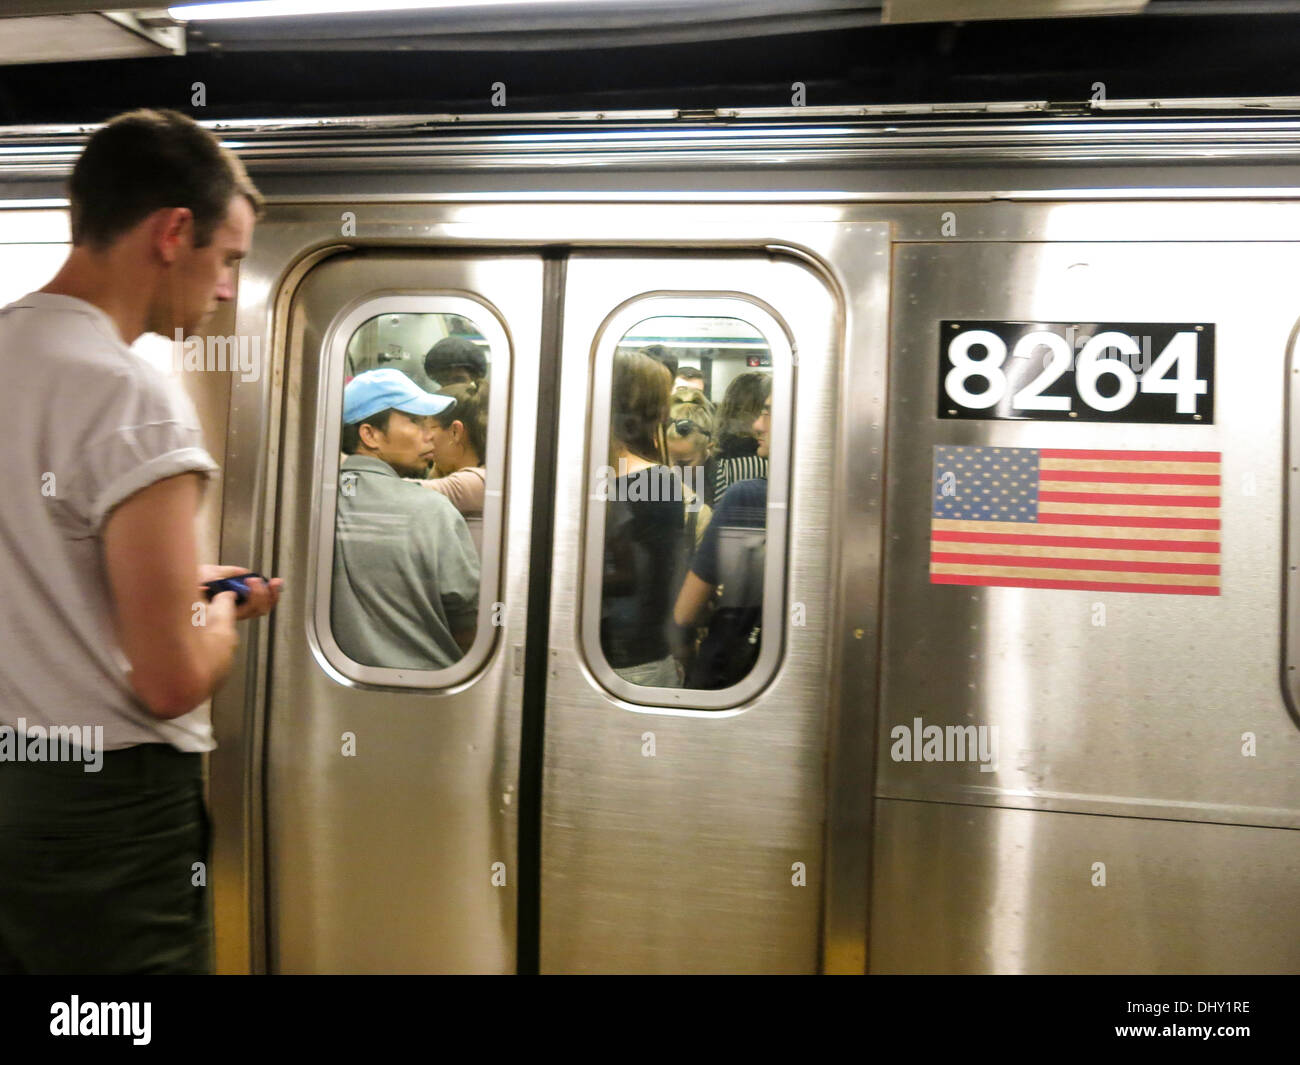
(689, 467)
(413, 450)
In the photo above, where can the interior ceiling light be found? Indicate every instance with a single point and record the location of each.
(235, 9)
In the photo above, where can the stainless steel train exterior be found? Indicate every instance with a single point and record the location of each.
(1144, 813)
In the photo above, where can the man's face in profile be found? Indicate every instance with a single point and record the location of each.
(200, 278)
(406, 443)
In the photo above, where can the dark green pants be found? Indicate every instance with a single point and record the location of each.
(98, 870)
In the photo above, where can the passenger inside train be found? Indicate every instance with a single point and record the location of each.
(455, 361)
(690, 377)
(662, 355)
(735, 455)
(644, 527)
(689, 434)
(728, 567)
(406, 570)
(460, 443)
(694, 394)
(690, 428)
(683, 582)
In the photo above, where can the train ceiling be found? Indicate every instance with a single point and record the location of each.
(71, 61)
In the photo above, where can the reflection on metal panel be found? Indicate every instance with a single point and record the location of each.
(383, 861)
(1103, 701)
(967, 10)
(706, 856)
(973, 889)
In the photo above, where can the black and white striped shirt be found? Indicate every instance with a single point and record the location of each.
(727, 471)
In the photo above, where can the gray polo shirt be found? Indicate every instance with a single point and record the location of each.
(405, 570)
(89, 423)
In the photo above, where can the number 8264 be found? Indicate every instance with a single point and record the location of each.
(976, 378)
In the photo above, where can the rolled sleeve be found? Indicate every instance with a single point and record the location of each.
(138, 456)
(147, 432)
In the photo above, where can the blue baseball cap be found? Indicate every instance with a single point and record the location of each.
(375, 390)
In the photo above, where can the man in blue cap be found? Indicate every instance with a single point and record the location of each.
(406, 573)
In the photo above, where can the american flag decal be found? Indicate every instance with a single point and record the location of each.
(1114, 521)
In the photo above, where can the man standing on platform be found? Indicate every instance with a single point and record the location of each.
(104, 633)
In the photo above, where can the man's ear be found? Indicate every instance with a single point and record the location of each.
(368, 435)
(171, 230)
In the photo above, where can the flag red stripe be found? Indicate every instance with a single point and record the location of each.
(1087, 586)
(1125, 520)
(1130, 456)
(1112, 564)
(1140, 499)
(1129, 478)
(1075, 541)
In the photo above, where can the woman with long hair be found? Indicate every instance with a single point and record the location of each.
(643, 528)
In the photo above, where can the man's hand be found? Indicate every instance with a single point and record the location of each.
(178, 656)
(262, 597)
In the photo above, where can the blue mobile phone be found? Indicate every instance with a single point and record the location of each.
(231, 584)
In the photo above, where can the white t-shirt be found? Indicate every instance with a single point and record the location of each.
(88, 423)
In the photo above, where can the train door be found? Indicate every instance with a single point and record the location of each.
(567, 784)
(392, 750)
(684, 790)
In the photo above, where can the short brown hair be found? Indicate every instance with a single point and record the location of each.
(144, 161)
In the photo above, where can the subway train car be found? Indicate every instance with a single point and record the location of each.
(1025, 695)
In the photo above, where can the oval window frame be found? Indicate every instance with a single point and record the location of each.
(329, 421)
(781, 346)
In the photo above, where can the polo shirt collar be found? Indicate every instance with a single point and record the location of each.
(370, 464)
